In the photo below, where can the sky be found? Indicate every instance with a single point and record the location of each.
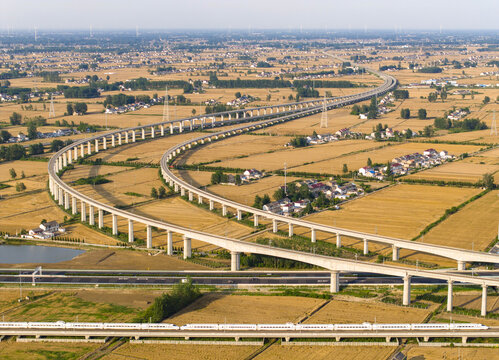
(401, 15)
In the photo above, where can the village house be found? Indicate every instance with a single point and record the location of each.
(46, 230)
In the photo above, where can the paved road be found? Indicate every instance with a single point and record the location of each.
(104, 277)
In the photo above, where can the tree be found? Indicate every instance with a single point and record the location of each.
(154, 193)
(69, 108)
(80, 108)
(35, 149)
(56, 145)
(193, 112)
(355, 110)
(161, 192)
(428, 131)
(279, 194)
(442, 123)
(443, 95)
(422, 114)
(369, 162)
(486, 100)
(432, 97)
(15, 118)
(257, 203)
(5, 136)
(488, 181)
(12, 173)
(20, 187)
(32, 131)
(237, 95)
(373, 109)
(238, 179)
(308, 209)
(388, 171)
(265, 199)
(405, 113)
(345, 168)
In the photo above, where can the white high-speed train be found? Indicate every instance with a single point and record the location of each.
(238, 327)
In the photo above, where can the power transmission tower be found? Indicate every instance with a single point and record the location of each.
(324, 114)
(166, 112)
(493, 126)
(52, 109)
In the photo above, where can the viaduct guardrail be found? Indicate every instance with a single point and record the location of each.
(63, 192)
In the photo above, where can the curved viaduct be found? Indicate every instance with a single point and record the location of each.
(68, 197)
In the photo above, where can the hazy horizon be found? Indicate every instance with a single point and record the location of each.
(389, 15)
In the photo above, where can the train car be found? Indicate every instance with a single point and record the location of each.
(47, 325)
(199, 327)
(125, 326)
(429, 326)
(464, 326)
(160, 326)
(316, 327)
(353, 327)
(391, 327)
(84, 325)
(287, 326)
(14, 325)
(237, 327)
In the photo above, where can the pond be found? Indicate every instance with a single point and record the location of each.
(17, 254)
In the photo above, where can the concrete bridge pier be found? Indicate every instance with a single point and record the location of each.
(104, 143)
(162, 130)
(291, 232)
(274, 225)
(200, 199)
(169, 238)
(212, 205)
(338, 241)
(126, 137)
(335, 282)
(449, 295)
(313, 235)
(89, 148)
(187, 247)
(70, 157)
(366, 247)
(406, 299)
(82, 150)
(235, 261)
(101, 218)
(153, 132)
(64, 160)
(191, 195)
(131, 237)
(114, 218)
(461, 265)
(224, 210)
(255, 220)
(74, 206)
(83, 212)
(133, 136)
(119, 139)
(484, 300)
(239, 215)
(143, 133)
(149, 236)
(96, 145)
(395, 253)
(66, 200)
(113, 141)
(171, 129)
(91, 215)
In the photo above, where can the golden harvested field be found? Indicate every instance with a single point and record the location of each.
(354, 311)
(283, 352)
(474, 301)
(457, 171)
(180, 212)
(32, 184)
(438, 353)
(35, 208)
(296, 157)
(12, 350)
(387, 153)
(245, 194)
(180, 352)
(90, 236)
(30, 168)
(84, 171)
(401, 211)
(473, 227)
(218, 308)
(235, 147)
(193, 177)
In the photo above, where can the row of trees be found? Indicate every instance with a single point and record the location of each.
(406, 114)
(78, 108)
(460, 125)
(159, 193)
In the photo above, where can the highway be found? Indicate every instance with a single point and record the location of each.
(214, 278)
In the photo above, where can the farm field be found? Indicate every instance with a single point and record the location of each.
(194, 177)
(382, 155)
(216, 308)
(182, 352)
(473, 227)
(245, 194)
(299, 156)
(30, 168)
(283, 352)
(235, 147)
(449, 353)
(11, 350)
(400, 211)
(464, 170)
(356, 310)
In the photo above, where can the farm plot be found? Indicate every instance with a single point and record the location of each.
(450, 353)
(465, 170)
(281, 352)
(12, 350)
(193, 177)
(217, 308)
(30, 168)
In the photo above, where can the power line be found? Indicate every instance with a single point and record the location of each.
(324, 114)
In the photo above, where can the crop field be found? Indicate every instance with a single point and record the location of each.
(84, 171)
(401, 211)
(30, 168)
(457, 171)
(451, 353)
(355, 310)
(282, 352)
(299, 156)
(195, 178)
(218, 308)
(386, 153)
(181, 352)
(11, 350)
(245, 194)
(235, 147)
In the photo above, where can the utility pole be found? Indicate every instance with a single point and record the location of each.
(52, 109)
(324, 114)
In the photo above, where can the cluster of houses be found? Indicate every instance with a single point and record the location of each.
(41, 135)
(32, 95)
(241, 101)
(382, 106)
(251, 174)
(405, 164)
(133, 107)
(458, 114)
(331, 189)
(46, 230)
